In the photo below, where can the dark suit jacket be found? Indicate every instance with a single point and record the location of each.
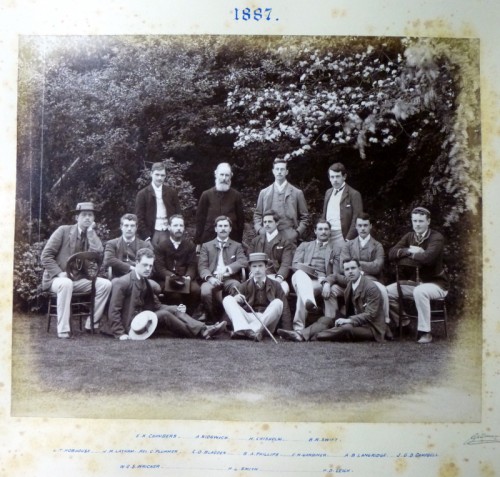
(115, 254)
(305, 251)
(351, 205)
(60, 246)
(273, 290)
(171, 261)
(145, 208)
(282, 253)
(128, 298)
(368, 310)
(430, 261)
(234, 257)
(295, 208)
(214, 203)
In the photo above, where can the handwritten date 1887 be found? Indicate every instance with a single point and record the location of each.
(253, 14)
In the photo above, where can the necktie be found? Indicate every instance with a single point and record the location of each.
(83, 241)
(221, 267)
(260, 284)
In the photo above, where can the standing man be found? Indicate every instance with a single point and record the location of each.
(132, 294)
(424, 247)
(219, 266)
(370, 255)
(154, 204)
(315, 263)
(266, 298)
(64, 242)
(217, 201)
(287, 201)
(365, 316)
(342, 205)
(176, 263)
(276, 247)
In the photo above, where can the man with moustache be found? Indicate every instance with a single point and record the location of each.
(62, 244)
(277, 248)
(266, 298)
(342, 205)
(289, 203)
(154, 204)
(219, 266)
(176, 263)
(365, 316)
(221, 199)
(315, 263)
(424, 248)
(119, 253)
(131, 294)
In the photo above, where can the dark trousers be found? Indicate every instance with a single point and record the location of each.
(179, 324)
(347, 333)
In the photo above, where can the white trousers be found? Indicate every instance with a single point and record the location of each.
(422, 294)
(243, 320)
(385, 300)
(306, 289)
(284, 284)
(64, 288)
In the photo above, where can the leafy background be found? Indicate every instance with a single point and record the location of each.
(402, 114)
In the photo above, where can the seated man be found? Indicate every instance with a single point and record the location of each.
(220, 263)
(370, 255)
(132, 294)
(319, 257)
(424, 247)
(266, 298)
(119, 253)
(276, 247)
(365, 315)
(62, 244)
(176, 263)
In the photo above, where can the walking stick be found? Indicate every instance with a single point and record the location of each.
(255, 314)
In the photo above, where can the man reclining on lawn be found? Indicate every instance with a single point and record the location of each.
(365, 314)
(132, 294)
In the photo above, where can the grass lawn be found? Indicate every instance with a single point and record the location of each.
(166, 378)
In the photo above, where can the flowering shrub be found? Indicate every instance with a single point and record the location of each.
(28, 275)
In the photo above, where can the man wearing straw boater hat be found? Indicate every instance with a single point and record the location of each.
(132, 294)
(257, 304)
(64, 243)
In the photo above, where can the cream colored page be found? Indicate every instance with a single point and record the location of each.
(54, 446)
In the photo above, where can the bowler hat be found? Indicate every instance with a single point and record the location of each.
(85, 207)
(257, 257)
(77, 266)
(143, 325)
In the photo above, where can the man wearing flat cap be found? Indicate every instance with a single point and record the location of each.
(66, 241)
(266, 299)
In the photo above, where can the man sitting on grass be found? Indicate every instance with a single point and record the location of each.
(132, 294)
(364, 310)
(265, 297)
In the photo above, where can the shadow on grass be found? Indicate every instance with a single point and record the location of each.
(95, 376)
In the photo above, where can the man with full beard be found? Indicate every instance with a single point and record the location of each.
(216, 201)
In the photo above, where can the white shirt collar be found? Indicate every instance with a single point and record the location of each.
(157, 188)
(281, 187)
(269, 237)
(364, 241)
(356, 284)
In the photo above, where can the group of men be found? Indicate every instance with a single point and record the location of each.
(204, 281)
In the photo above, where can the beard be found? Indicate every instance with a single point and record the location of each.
(220, 186)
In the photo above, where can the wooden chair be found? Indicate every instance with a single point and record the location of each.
(82, 306)
(407, 308)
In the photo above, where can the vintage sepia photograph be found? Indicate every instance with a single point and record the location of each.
(248, 228)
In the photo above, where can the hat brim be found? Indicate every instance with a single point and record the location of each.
(143, 336)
